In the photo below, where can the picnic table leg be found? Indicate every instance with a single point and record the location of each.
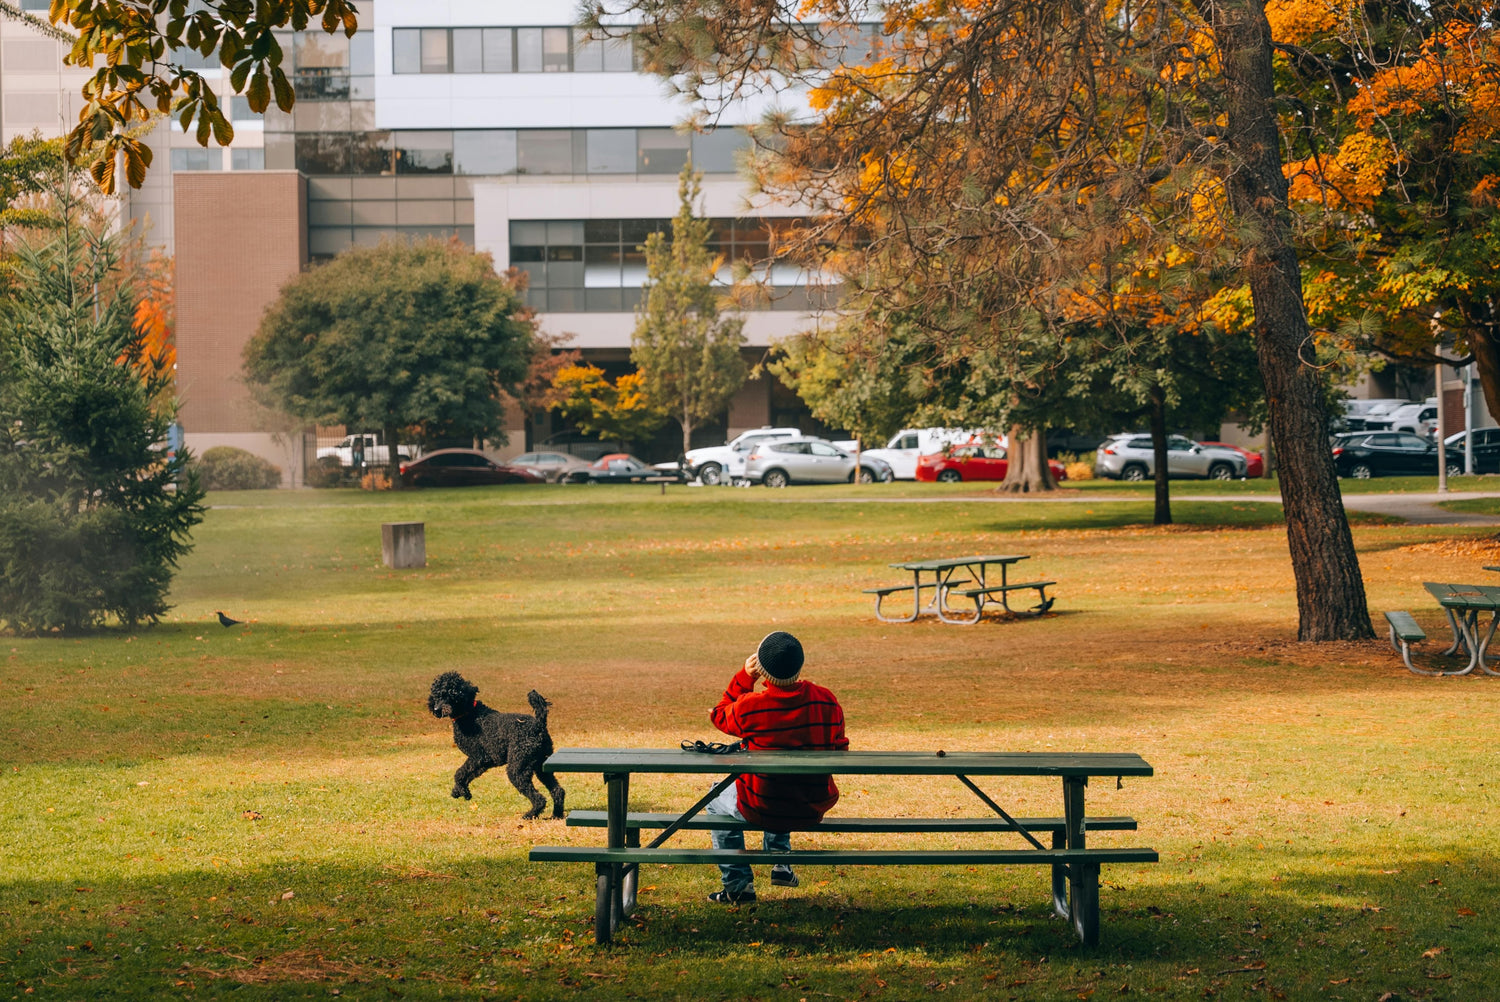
(1468, 623)
(609, 892)
(631, 880)
(1083, 878)
(1458, 636)
(1059, 878)
(941, 598)
(1484, 647)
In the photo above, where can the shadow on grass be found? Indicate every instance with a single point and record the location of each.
(498, 926)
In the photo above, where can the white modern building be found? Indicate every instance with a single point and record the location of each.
(500, 124)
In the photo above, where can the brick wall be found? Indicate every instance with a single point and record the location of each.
(239, 237)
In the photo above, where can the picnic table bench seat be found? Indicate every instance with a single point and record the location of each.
(978, 594)
(1405, 632)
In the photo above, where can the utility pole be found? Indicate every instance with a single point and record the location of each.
(1442, 427)
(1469, 419)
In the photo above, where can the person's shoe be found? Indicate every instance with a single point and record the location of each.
(726, 898)
(782, 876)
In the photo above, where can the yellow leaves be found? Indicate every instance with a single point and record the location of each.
(1301, 21)
(1486, 193)
(1354, 176)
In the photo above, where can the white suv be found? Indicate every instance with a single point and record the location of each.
(726, 463)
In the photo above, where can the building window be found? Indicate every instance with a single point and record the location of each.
(435, 51)
(247, 159)
(468, 50)
(198, 159)
(406, 50)
(484, 151)
(424, 153)
(598, 265)
(504, 50)
(545, 151)
(661, 151)
(499, 50)
(611, 151)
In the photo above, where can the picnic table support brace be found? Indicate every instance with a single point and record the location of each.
(999, 810)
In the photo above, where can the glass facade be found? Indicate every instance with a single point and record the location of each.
(599, 266)
(508, 50)
(489, 152)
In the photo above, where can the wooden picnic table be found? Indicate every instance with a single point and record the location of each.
(948, 576)
(1075, 867)
(1463, 604)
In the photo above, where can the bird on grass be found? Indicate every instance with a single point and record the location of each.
(225, 620)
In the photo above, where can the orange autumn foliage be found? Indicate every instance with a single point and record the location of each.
(155, 314)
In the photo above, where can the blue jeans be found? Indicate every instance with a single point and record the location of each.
(738, 877)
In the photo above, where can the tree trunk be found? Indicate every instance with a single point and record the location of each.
(1027, 470)
(1331, 600)
(1163, 513)
(392, 461)
(1486, 360)
(687, 432)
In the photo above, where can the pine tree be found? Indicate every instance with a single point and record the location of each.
(688, 354)
(94, 514)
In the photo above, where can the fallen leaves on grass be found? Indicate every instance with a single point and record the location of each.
(1433, 952)
(251, 815)
(1483, 548)
(411, 873)
(292, 966)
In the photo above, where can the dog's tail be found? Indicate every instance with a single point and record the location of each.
(538, 706)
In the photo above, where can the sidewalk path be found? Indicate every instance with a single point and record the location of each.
(1417, 509)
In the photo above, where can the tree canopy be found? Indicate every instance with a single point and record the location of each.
(401, 336)
(999, 155)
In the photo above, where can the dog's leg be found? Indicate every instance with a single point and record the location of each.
(472, 769)
(554, 788)
(520, 777)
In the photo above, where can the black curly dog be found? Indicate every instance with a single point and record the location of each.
(518, 741)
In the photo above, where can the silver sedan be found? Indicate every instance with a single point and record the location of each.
(1131, 457)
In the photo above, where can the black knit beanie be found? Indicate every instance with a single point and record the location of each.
(780, 657)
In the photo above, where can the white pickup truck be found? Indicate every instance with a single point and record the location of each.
(375, 454)
(909, 443)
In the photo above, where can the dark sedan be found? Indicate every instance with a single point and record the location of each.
(1384, 454)
(620, 468)
(462, 468)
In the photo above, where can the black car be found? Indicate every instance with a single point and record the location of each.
(1386, 454)
(462, 468)
(620, 468)
(1486, 450)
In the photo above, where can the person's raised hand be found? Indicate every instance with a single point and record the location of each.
(752, 667)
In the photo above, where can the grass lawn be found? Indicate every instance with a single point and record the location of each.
(262, 812)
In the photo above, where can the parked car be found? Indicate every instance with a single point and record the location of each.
(1366, 415)
(1486, 450)
(462, 468)
(720, 464)
(551, 465)
(368, 446)
(1131, 457)
(806, 460)
(1255, 463)
(1415, 418)
(902, 451)
(973, 461)
(618, 468)
(1388, 454)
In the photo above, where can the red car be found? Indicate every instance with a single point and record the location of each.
(973, 461)
(1255, 463)
(462, 468)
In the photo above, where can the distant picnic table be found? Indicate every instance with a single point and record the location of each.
(1075, 867)
(1464, 603)
(948, 576)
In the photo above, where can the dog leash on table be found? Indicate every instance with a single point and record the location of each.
(713, 747)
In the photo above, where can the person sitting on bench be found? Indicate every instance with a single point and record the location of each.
(788, 714)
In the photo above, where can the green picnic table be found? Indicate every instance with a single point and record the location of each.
(949, 575)
(1464, 603)
(1075, 866)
